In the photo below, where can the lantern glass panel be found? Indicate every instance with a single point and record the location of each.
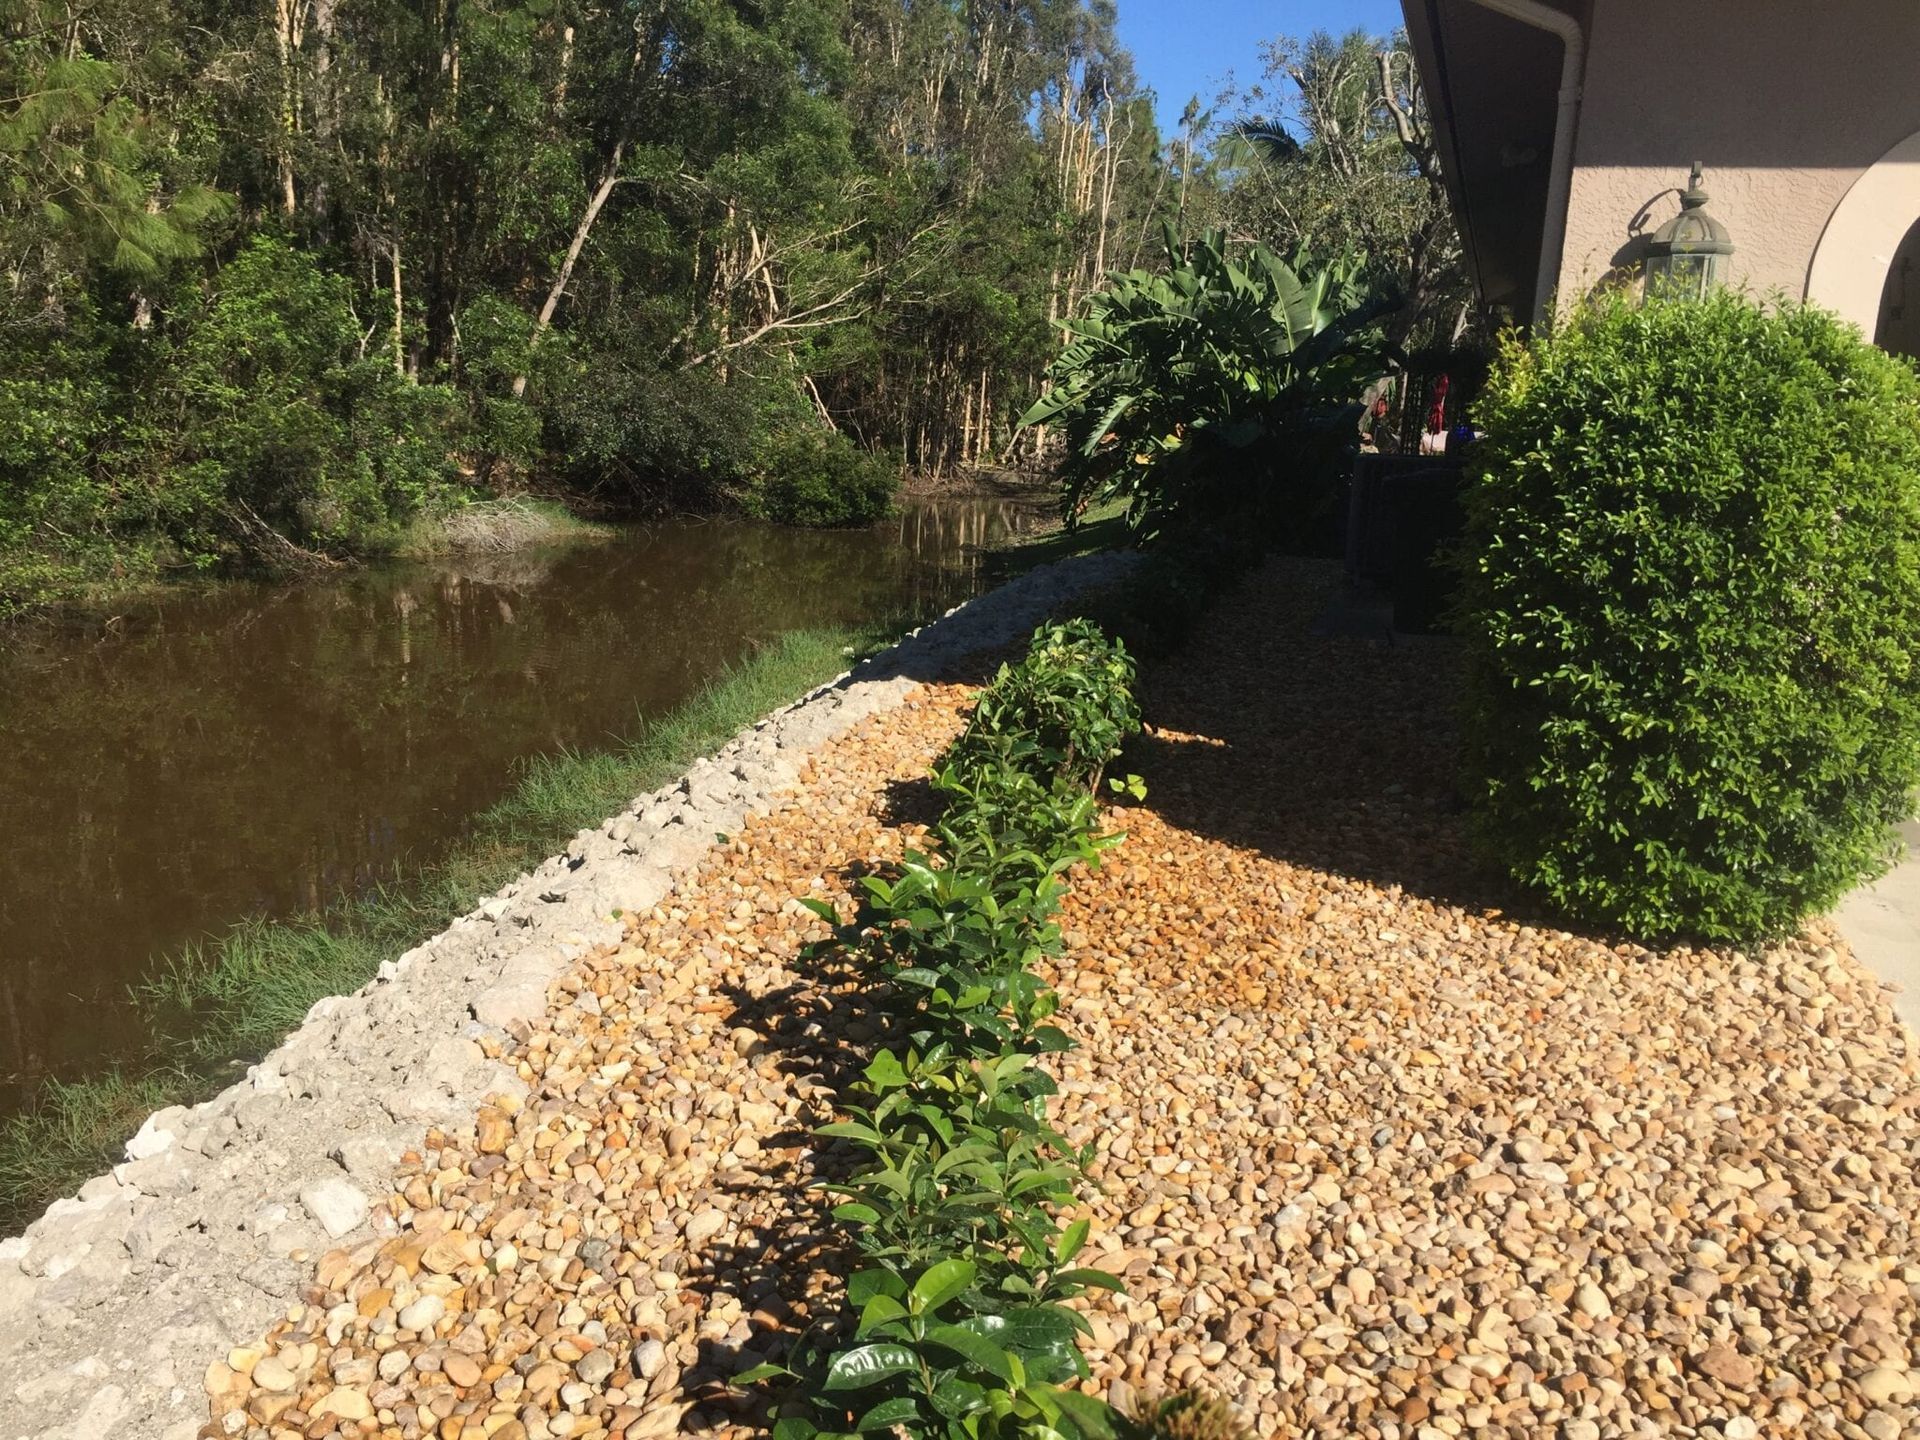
(1687, 257)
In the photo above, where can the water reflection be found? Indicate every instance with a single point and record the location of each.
(262, 749)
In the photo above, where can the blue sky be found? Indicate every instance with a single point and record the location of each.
(1188, 47)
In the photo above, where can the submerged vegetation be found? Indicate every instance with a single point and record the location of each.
(239, 995)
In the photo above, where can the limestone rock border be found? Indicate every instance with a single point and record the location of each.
(115, 1301)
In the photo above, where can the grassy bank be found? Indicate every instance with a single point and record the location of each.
(497, 527)
(234, 998)
(1101, 528)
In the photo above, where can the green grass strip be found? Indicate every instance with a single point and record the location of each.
(238, 996)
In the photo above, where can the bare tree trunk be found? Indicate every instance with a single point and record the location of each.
(609, 177)
(966, 426)
(289, 31)
(399, 311)
(450, 52)
(826, 415)
(566, 67)
(326, 99)
(986, 420)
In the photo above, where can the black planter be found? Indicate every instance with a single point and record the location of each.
(1425, 518)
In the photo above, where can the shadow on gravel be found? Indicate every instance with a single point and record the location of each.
(768, 1270)
(1335, 754)
(913, 660)
(821, 1030)
(910, 802)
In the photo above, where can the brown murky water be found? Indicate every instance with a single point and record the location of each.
(260, 749)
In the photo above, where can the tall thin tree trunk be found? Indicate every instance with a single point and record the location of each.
(566, 69)
(326, 98)
(399, 312)
(609, 177)
(966, 425)
(288, 33)
(986, 421)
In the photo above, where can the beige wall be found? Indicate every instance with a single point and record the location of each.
(1786, 104)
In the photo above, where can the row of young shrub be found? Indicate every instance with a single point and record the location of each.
(955, 1324)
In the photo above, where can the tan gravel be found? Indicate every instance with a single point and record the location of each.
(1377, 1159)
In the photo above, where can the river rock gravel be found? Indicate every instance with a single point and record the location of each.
(1376, 1154)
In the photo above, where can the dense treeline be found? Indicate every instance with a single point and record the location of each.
(286, 275)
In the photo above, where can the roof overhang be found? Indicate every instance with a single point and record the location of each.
(1492, 85)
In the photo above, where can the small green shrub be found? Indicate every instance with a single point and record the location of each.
(1062, 713)
(938, 1119)
(957, 948)
(820, 478)
(1691, 594)
(955, 1326)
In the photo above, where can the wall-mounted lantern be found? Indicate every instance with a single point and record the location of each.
(1688, 255)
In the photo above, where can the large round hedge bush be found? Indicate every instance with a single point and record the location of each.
(1691, 596)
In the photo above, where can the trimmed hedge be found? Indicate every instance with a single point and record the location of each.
(1691, 596)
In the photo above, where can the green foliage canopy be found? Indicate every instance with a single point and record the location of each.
(697, 254)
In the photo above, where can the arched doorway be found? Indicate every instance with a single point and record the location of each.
(1899, 326)
(1866, 234)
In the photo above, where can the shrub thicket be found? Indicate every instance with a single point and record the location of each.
(819, 477)
(245, 425)
(1692, 603)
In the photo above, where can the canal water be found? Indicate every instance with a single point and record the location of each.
(259, 750)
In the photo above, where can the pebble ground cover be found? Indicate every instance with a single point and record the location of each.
(1373, 1156)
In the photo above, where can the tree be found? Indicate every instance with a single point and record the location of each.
(1334, 151)
(84, 190)
(639, 247)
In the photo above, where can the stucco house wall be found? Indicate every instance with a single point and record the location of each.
(1786, 104)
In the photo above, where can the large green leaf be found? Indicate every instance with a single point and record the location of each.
(863, 1285)
(869, 1364)
(940, 1283)
(903, 1410)
(977, 1349)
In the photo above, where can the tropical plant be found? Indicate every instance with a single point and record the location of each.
(1692, 608)
(1218, 380)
